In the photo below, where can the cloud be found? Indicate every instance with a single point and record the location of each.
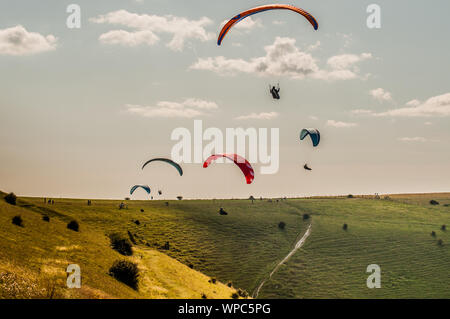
(246, 24)
(362, 112)
(338, 124)
(381, 95)
(283, 58)
(145, 29)
(189, 108)
(18, 41)
(437, 106)
(279, 22)
(258, 116)
(312, 117)
(412, 139)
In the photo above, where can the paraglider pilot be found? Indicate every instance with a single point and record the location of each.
(275, 92)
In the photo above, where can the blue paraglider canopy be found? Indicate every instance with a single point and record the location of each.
(144, 187)
(313, 133)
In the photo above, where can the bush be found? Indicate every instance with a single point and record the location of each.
(350, 196)
(179, 197)
(73, 225)
(282, 225)
(204, 296)
(11, 198)
(45, 218)
(137, 222)
(443, 228)
(142, 210)
(387, 198)
(234, 295)
(125, 272)
(306, 216)
(17, 220)
(433, 234)
(230, 284)
(212, 280)
(345, 227)
(434, 202)
(130, 235)
(440, 242)
(242, 293)
(121, 244)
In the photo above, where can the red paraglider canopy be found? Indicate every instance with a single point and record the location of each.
(243, 164)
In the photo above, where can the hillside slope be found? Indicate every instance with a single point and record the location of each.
(33, 260)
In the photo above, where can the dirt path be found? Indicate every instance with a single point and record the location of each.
(296, 247)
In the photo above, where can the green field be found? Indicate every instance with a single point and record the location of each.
(244, 246)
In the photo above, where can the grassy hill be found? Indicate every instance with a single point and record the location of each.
(33, 260)
(244, 246)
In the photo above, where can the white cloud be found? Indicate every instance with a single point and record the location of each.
(412, 139)
(189, 108)
(246, 24)
(314, 118)
(145, 29)
(283, 58)
(314, 46)
(438, 106)
(279, 22)
(338, 124)
(362, 112)
(258, 116)
(18, 41)
(381, 95)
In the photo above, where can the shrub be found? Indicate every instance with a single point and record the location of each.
(179, 197)
(191, 266)
(17, 220)
(350, 196)
(45, 218)
(440, 242)
(137, 222)
(127, 198)
(242, 293)
(433, 234)
(443, 228)
(125, 272)
(387, 198)
(11, 198)
(130, 235)
(121, 244)
(234, 295)
(282, 225)
(73, 225)
(230, 284)
(212, 280)
(434, 202)
(142, 210)
(166, 246)
(204, 296)
(345, 227)
(306, 216)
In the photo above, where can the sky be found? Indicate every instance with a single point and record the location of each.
(81, 109)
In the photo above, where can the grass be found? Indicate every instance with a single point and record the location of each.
(33, 260)
(244, 246)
